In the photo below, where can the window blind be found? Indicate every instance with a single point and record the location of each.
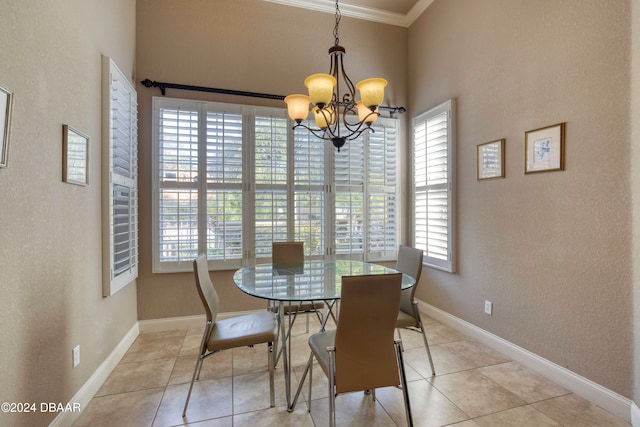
(120, 170)
(232, 179)
(433, 183)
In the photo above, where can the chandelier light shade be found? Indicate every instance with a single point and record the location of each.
(372, 91)
(298, 107)
(339, 117)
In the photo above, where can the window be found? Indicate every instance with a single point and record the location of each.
(120, 131)
(230, 179)
(434, 169)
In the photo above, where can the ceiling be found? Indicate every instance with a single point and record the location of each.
(394, 12)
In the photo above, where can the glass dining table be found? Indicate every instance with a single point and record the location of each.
(315, 280)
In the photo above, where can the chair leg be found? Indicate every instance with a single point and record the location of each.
(424, 335)
(332, 393)
(304, 375)
(310, 383)
(196, 372)
(403, 380)
(272, 399)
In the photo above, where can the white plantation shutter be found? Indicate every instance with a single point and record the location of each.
(223, 215)
(198, 185)
(271, 174)
(382, 191)
(309, 193)
(349, 178)
(433, 185)
(232, 179)
(120, 183)
(178, 181)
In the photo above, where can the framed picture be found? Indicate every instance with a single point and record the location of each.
(544, 149)
(75, 157)
(491, 160)
(6, 105)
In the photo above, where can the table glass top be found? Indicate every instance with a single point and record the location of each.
(315, 280)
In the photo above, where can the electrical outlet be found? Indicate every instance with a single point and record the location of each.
(488, 308)
(76, 356)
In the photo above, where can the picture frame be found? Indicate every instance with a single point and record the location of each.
(544, 149)
(490, 160)
(6, 108)
(75, 157)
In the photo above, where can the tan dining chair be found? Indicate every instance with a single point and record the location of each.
(224, 334)
(361, 353)
(410, 262)
(290, 256)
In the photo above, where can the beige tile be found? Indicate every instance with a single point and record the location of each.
(470, 378)
(299, 349)
(571, 410)
(250, 359)
(162, 345)
(523, 382)
(209, 399)
(475, 394)
(353, 410)
(320, 383)
(429, 407)
(469, 423)
(216, 422)
(195, 331)
(218, 365)
(445, 361)
(523, 416)
(137, 376)
(275, 417)
(251, 391)
(438, 334)
(190, 345)
(475, 353)
(411, 338)
(133, 409)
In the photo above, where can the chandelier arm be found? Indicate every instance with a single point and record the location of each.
(359, 132)
(350, 85)
(318, 133)
(358, 127)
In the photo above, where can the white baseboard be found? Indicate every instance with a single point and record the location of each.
(589, 390)
(93, 384)
(185, 322)
(171, 324)
(635, 415)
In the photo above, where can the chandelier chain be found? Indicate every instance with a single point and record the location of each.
(335, 29)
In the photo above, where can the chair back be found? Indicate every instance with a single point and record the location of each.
(207, 292)
(409, 262)
(287, 254)
(365, 356)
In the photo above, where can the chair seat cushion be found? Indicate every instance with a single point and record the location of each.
(405, 320)
(239, 331)
(319, 343)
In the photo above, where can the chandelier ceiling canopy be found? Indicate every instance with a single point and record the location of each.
(338, 116)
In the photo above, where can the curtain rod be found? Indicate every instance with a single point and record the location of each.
(163, 86)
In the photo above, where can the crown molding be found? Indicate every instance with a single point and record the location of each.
(359, 12)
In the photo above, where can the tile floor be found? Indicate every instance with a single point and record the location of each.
(474, 387)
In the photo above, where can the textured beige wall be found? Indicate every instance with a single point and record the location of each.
(50, 250)
(635, 188)
(249, 45)
(551, 250)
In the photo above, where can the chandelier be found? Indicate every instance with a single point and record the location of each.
(338, 116)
